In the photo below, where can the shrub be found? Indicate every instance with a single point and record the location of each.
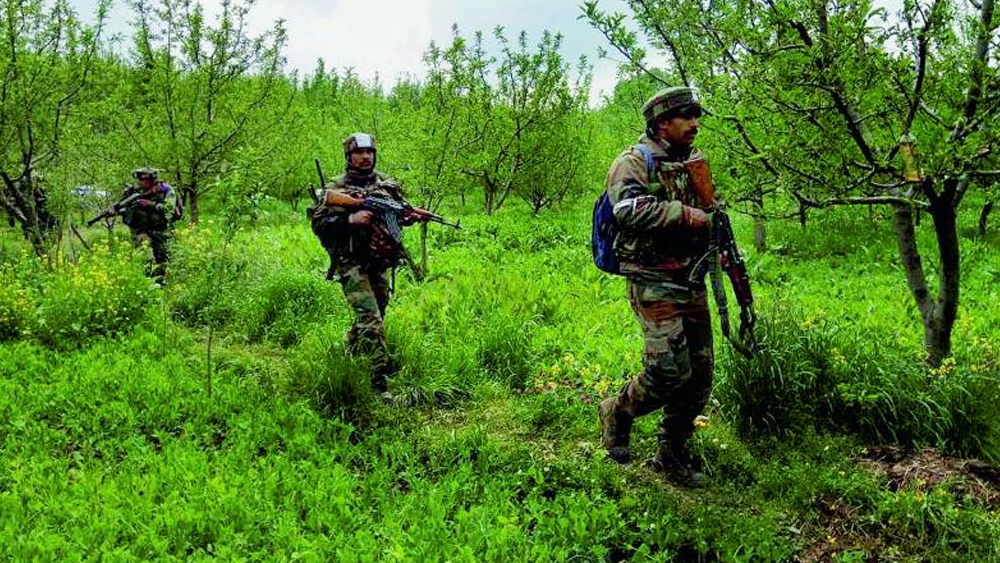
(103, 294)
(207, 280)
(17, 303)
(821, 375)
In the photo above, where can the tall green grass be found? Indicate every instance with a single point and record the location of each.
(111, 446)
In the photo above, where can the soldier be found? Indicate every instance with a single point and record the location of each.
(361, 252)
(662, 233)
(151, 216)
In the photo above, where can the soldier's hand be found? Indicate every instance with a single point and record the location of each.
(144, 202)
(360, 218)
(412, 216)
(696, 219)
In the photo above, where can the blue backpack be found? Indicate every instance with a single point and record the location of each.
(604, 228)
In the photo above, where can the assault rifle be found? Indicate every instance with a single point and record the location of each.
(723, 256)
(116, 209)
(388, 211)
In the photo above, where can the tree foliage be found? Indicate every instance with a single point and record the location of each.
(46, 57)
(211, 88)
(841, 103)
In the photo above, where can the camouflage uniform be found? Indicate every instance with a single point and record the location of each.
(657, 246)
(151, 218)
(360, 257)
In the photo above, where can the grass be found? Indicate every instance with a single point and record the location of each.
(112, 447)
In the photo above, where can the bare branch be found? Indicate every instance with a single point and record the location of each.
(980, 57)
(876, 200)
(665, 37)
(923, 38)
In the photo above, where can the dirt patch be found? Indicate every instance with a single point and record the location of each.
(839, 532)
(837, 520)
(968, 479)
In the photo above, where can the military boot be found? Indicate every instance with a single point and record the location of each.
(380, 384)
(382, 370)
(615, 429)
(675, 461)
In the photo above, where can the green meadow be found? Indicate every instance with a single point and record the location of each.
(220, 419)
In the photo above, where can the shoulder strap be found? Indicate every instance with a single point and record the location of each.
(648, 155)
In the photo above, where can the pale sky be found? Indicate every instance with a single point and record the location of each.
(389, 37)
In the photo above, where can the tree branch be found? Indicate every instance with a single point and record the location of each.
(665, 37)
(980, 57)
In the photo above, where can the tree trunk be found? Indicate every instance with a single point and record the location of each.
(984, 217)
(937, 337)
(938, 315)
(192, 205)
(71, 248)
(759, 234)
(489, 193)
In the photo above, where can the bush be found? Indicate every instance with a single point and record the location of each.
(207, 281)
(17, 303)
(103, 294)
(822, 376)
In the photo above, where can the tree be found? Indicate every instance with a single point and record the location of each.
(836, 103)
(210, 89)
(46, 56)
(525, 107)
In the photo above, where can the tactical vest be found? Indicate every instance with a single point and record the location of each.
(148, 218)
(348, 245)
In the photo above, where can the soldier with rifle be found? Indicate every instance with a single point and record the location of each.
(149, 209)
(655, 226)
(358, 219)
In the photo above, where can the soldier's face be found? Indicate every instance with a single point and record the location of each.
(146, 182)
(680, 130)
(362, 158)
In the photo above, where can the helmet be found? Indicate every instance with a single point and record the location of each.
(145, 172)
(358, 141)
(670, 102)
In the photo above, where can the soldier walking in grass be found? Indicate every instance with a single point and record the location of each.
(661, 233)
(362, 251)
(150, 216)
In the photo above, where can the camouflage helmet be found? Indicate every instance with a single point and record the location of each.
(145, 172)
(358, 141)
(670, 102)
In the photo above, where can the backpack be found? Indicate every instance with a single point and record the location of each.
(604, 228)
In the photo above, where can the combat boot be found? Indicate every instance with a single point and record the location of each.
(616, 427)
(381, 387)
(678, 465)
